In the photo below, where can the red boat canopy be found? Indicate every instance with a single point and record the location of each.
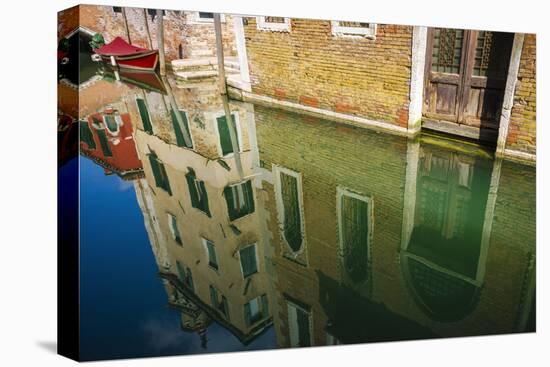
(119, 47)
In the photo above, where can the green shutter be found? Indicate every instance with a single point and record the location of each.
(86, 135)
(248, 260)
(247, 316)
(144, 113)
(302, 319)
(225, 307)
(355, 233)
(204, 198)
(249, 197)
(291, 208)
(228, 194)
(265, 307)
(159, 173)
(225, 137)
(181, 271)
(180, 135)
(189, 280)
(214, 297)
(193, 193)
(212, 260)
(104, 143)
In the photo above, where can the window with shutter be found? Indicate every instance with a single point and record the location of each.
(299, 321)
(239, 199)
(183, 135)
(86, 135)
(159, 173)
(225, 136)
(291, 204)
(111, 123)
(197, 193)
(355, 227)
(144, 114)
(249, 264)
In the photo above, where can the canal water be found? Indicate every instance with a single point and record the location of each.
(276, 230)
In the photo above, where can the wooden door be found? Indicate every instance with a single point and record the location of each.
(466, 75)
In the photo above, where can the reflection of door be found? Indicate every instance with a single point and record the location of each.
(466, 75)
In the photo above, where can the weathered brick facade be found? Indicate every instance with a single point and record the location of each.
(311, 66)
(184, 35)
(522, 129)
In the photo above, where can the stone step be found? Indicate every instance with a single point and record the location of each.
(208, 63)
(191, 75)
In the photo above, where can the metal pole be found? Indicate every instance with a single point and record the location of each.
(160, 41)
(219, 53)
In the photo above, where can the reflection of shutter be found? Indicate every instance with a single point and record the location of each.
(225, 307)
(192, 190)
(291, 206)
(355, 232)
(86, 135)
(180, 139)
(144, 114)
(249, 197)
(104, 143)
(247, 315)
(159, 172)
(302, 319)
(229, 198)
(225, 137)
(181, 272)
(248, 260)
(189, 279)
(204, 198)
(212, 260)
(213, 297)
(110, 122)
(265, 307)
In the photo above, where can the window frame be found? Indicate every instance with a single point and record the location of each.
(280, 206)
(234, 115)
(342, 31)
(262, 308)
(256, 260)
(276, 27)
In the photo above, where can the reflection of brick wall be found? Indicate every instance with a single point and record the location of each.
(327, 155)
(67, 21)
(356, 75)
(522, 131)
(182, 39)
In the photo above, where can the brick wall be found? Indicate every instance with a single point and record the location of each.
(184, 36)
(355, 75)
(522, 130)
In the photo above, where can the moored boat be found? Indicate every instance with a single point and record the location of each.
(128, 56)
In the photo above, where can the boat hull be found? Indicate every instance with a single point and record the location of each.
(143, 61)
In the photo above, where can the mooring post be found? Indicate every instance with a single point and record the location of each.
(219, 52)
(160, 41)
(126, 24)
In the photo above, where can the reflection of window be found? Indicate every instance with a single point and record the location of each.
(273, 23)
(197, 191)
(104, 143)
(289, 205)
(248, 258)
(172, 221)
(219, 303)
(144, 114)
(341, 28)
(255, 310)
(225, 136)
(184, 274)
(183, 135)
(299, 321)
(86, 135)
(355, 230)
(159, 173)
(211, 250)
(239, 199)
(112, 122)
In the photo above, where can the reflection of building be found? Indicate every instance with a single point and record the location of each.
(379, 238)
(199, 203)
